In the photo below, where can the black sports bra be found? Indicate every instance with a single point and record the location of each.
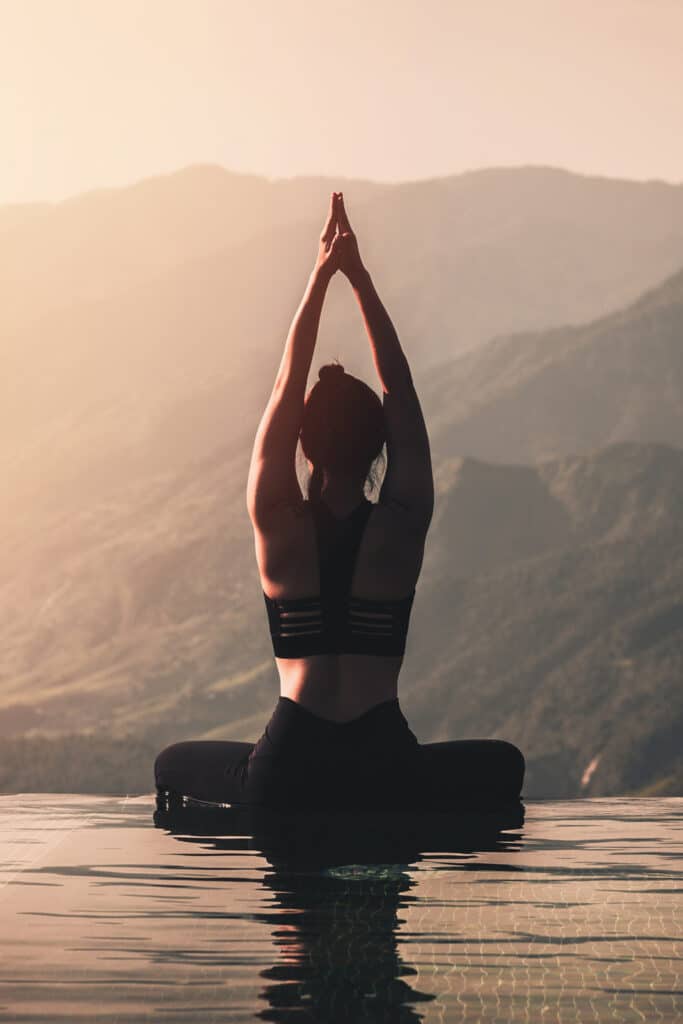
(334, 622)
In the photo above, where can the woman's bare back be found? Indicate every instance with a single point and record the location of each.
(340, 686)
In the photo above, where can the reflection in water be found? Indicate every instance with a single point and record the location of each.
(336, 935)
(339, 883)
(104, 917)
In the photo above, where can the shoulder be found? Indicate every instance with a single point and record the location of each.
(391, 554)
(285, 549)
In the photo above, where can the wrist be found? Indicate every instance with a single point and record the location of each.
(359, 278)
(320, 276)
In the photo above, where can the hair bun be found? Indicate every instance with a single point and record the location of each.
(331, 372)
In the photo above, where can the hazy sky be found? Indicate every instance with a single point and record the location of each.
(102, 92)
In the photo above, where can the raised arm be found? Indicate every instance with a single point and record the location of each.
(272, 480)
(408, 483)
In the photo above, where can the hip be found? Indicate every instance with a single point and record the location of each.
(302, 758)
(294, 728)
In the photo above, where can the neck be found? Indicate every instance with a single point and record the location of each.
(342, 494)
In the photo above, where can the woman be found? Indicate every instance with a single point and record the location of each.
(338, 575)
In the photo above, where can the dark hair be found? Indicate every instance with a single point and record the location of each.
(342, 427)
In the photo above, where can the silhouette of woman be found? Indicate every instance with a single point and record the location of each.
(338, 574)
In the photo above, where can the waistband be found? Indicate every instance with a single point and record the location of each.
(293, 723)
(380, 709)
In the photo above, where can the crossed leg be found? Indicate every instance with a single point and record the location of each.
(213, 770)
(471, 772)
(453, 773)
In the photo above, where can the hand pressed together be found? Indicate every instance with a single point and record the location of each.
(338, 245)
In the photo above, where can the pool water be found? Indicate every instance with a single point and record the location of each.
(571, 915)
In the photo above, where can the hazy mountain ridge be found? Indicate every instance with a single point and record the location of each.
(103, 242)
(490, 515)
(573, 389)
(166, 220)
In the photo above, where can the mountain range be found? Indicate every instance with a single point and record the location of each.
(550, 606)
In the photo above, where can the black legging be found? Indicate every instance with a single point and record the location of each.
(303, 761)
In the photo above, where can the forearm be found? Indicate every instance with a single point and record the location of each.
(281, 420)
(390, 360)
(303, 332)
